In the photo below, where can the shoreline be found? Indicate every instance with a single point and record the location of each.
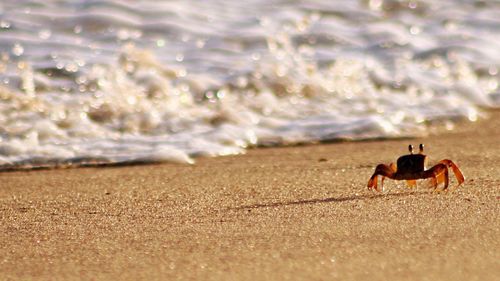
(297, 212)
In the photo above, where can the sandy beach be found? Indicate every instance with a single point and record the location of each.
(293, 213)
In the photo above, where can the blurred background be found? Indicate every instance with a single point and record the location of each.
(87, 82)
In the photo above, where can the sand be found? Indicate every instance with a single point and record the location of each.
(293, 213)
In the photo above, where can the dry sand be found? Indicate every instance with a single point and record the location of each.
(273, 214)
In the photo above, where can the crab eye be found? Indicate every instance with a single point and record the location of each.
(421, 147)
(410, 148)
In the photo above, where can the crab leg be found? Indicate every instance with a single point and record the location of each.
(444, 177)
(441, 177)
(438, 174)
(458, 174)
(411, 183)
(380, 170)
(392, 166)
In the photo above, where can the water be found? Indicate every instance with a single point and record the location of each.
(106, 81)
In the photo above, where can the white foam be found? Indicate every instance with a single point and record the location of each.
(155, 81)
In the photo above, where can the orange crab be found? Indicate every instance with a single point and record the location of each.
(411, 167)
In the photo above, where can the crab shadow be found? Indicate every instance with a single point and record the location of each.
(330, 199)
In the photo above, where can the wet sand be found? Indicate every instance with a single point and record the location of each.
(293, 213)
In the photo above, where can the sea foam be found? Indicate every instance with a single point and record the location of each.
(88, 83)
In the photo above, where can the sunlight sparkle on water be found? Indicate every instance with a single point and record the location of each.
(145, 84)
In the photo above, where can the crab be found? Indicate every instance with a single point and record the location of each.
(411, 167)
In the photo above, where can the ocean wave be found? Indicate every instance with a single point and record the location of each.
(101, 82)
